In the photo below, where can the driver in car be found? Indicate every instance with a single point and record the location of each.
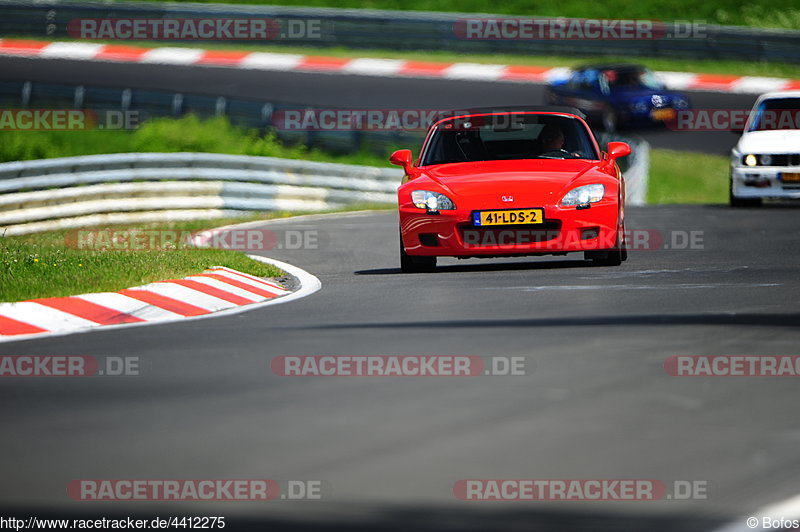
(552, 138)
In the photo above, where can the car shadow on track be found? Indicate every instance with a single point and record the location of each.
(490, 267)
(758, 320)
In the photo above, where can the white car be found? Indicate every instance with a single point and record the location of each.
(765, 163)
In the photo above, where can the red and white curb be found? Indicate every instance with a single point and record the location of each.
(362, 66)
(215, 292)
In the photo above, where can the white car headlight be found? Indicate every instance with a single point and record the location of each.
(750, 160)
(431, 201)
(583, 195)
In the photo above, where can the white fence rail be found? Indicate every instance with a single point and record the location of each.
(637, 175)
(70, 192)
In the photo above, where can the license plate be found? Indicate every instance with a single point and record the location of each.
(508, 217)
(791, 177)
(663, 114)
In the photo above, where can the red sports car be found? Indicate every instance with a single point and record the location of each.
(511, 183)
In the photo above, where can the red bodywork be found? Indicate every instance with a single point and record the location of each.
(513, 184)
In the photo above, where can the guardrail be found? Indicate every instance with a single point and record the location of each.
(636, 166)
(52, 194)
(64, 193)
(637, 176)
(404, 30)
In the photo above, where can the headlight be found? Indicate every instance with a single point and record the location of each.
(431, 201)
(583, 195)
(750, 160)
(765, 159)
(680, 103)
(639, 106)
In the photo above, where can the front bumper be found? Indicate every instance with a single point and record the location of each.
(565, 229)
(764, 182)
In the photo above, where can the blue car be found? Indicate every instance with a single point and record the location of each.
(618, 96)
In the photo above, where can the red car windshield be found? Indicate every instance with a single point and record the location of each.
(508, 136)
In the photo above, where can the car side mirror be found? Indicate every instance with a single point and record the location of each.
(402, 158)
(618, 149)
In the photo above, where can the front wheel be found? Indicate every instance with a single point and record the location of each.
(612, 257)
(741, 202)
(411, 264)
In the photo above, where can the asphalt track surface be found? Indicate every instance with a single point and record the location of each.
(598, 403)
(347, 91)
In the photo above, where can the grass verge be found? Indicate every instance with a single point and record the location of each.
(165, 135)
(47, 265)
(50, 265)
(687, 177)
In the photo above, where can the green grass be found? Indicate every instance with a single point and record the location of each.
(687, 177)
(776, 13)
(168, 135)
(50, 265)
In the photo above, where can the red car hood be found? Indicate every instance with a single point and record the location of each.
(535, 180)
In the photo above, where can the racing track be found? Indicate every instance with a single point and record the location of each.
(598, 405)
(345, 91)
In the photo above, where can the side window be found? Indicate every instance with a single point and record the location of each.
(589, 81)
(605, 87)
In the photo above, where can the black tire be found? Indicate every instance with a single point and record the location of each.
(411, 264)
(611, 257)
(741, 202)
